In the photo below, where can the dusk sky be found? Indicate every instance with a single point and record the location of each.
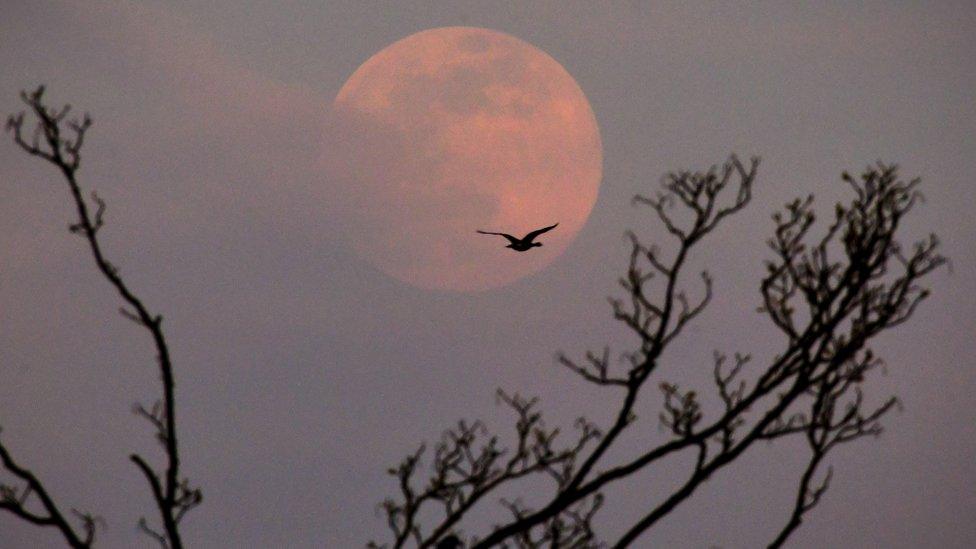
(316, 337)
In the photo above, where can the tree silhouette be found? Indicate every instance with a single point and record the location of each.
(828, 294)
(59, 143)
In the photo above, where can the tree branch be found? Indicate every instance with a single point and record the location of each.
(829, 296)
(62, 148)
(14, 500)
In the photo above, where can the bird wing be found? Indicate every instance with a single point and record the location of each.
(533, 234)
(510, 238)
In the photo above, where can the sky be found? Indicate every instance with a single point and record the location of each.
(304, 371)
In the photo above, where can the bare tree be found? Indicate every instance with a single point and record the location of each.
(828, 295)
(59, 143)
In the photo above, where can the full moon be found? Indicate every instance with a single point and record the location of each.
(452, 130)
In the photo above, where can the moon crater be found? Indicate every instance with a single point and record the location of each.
(456, 129)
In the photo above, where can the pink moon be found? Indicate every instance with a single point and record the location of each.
(456, 129)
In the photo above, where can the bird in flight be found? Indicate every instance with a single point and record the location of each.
(525, 243)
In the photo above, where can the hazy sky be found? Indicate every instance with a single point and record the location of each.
(303, 372)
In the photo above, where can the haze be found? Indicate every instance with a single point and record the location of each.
(303, 372)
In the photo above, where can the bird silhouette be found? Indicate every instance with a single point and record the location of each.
(525, 243)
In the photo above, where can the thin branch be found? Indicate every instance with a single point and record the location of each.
(827, 305)
(14, 500)
(62, 148)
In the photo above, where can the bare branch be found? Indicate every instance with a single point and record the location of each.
(14, 500)
(52, 142)
(828, 295)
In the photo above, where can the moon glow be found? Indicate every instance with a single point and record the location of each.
(455, 129)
